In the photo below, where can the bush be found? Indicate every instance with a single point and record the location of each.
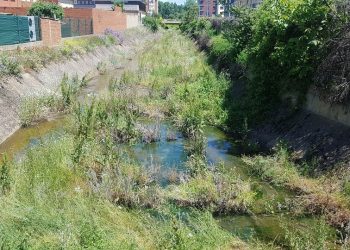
(220, 52)
(116, 36)
(278, 46)
(46, 9)
(9, 66)
(153, 23)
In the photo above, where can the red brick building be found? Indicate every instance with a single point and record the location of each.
(207, 7)
(20, 3)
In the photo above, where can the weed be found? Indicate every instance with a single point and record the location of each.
(316, 236)
(102, 68)
(13, 63)
(9, 66)
(149, 133)
(5, 178)
(35, 108)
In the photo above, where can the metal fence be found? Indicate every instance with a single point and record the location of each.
(19, 29)
(76, 27)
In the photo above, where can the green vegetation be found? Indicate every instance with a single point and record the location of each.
(325, 195)
(153, 23)
(313, 237)
(37, 108)
(188, 89)
(46, 9)
(77, 190)
(276, 49)
(57, 206)
(170, 10)
(117, 3)
(13, 63)
(83, 188)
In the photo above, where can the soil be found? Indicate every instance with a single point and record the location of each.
(310, 136)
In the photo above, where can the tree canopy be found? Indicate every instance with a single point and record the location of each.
(171, 10)
(46, 9)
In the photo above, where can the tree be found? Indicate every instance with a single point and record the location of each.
(46, 9)
(117, 3)
(170, 10)
(191, 11)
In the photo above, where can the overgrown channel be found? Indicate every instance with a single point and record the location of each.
(146, 164)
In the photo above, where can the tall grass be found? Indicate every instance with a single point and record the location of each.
(51, 205)
(179, 76)
(38, 107)
(13, 63)
(317, 196)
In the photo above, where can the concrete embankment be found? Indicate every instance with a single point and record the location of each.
(318, 133)
(47, 80)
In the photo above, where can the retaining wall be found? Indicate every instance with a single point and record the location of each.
(334, 112)
(47, 80)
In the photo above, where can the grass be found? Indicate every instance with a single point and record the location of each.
(317, 235)
(39, 107)
(52, 205)
(179, 77)
(219, 192)
(77, 189)
(13, 63)
(324, 196)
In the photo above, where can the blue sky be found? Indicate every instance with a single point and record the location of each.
(174, 1)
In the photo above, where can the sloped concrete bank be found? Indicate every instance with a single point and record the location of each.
(318, 133)
(14, 89)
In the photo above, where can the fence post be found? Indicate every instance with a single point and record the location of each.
(18, 34)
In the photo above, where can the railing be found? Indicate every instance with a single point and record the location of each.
(76, 27)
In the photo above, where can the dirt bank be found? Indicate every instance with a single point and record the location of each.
(47, 80)
(310, 136)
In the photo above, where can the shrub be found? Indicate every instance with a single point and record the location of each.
(5, 178)
(37, 107)
(153, 23)
(117, 3)
(116, 36)
(287, 43)
(9, 66)
(46, 9)
(220, 52)
(279, 44)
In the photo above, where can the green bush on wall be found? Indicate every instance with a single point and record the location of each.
(46, 9)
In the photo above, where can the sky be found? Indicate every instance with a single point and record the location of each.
(174, 1)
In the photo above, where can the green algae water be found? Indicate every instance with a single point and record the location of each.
(27, 136)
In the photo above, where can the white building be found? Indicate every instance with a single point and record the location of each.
(220, 10)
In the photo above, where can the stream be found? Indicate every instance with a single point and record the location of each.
(170, 155)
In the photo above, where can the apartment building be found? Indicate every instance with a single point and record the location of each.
(152, 7)
(220, 10)
(248, 3)
(207, 7)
